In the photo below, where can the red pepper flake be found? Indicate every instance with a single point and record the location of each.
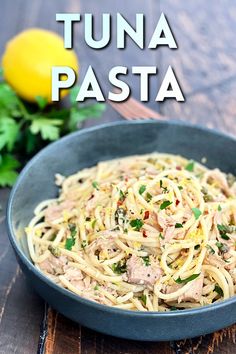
(119, 203)
(144, 234)
(126, 179)
(146, 215)
(179, 168)
(177, 202)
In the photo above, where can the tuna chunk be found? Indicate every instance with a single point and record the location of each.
(72, 273)
(53, 265)
(152, 221)
(168, 234)
(215, 261)
(75, 277)
(194, 293)
(55, 211)
(139, 273)
(97, 198)
(151, 170)
(165, 221)
(105, 244)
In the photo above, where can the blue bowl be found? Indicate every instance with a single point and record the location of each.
(83, 149)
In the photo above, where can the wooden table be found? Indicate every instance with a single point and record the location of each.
(205, 64)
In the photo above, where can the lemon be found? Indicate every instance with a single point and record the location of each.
(28, 59)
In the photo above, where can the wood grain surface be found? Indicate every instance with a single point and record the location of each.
(205, 64)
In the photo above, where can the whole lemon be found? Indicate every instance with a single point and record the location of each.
(28, 59)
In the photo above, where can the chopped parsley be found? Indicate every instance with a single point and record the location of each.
(148, 197)
(161, 236)
(197, 213)
(178, 225)
(143, 298)
(95, 185)
(152, 160)
(223, 230)
(230, 228)
(70, 241)
(53, 237)
(122, 195)
(165, 190)
(142, 189)
(219, 245)
(211, 250)
(186, 280)
(84, 244)
(96, 287)
(119, 267)
(206, 196)
(197, 247)
(173, 308)
(219, 290)
(72, 228)
(165, 204)
(93, 223)
(117, 228)
(55, 251)
(120, 214)
(180, 188)
(146, 260)
(222, 247)
(136, 224)
(190, 166)
(219, 208)
(69, 244)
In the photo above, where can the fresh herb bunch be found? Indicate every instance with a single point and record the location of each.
(26, 128)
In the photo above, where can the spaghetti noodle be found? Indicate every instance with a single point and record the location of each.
(151, 233)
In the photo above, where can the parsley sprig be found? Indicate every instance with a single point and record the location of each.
(186, 280)
(190, 166)
(197, 213)
(165, 204)
(136, 224)
(70, 240)
(224, 230)
(146, 261)
(119, 267)
(143, 298)
(25, 128)
(218, 290)
(142, 189)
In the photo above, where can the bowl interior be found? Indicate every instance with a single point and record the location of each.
(86, 148)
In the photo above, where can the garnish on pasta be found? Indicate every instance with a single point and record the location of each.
(152, 232)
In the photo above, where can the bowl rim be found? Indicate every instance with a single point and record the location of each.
(109, 309)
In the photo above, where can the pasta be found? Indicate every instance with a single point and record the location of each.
(152, 232)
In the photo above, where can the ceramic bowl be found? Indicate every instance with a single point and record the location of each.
(83, 149)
